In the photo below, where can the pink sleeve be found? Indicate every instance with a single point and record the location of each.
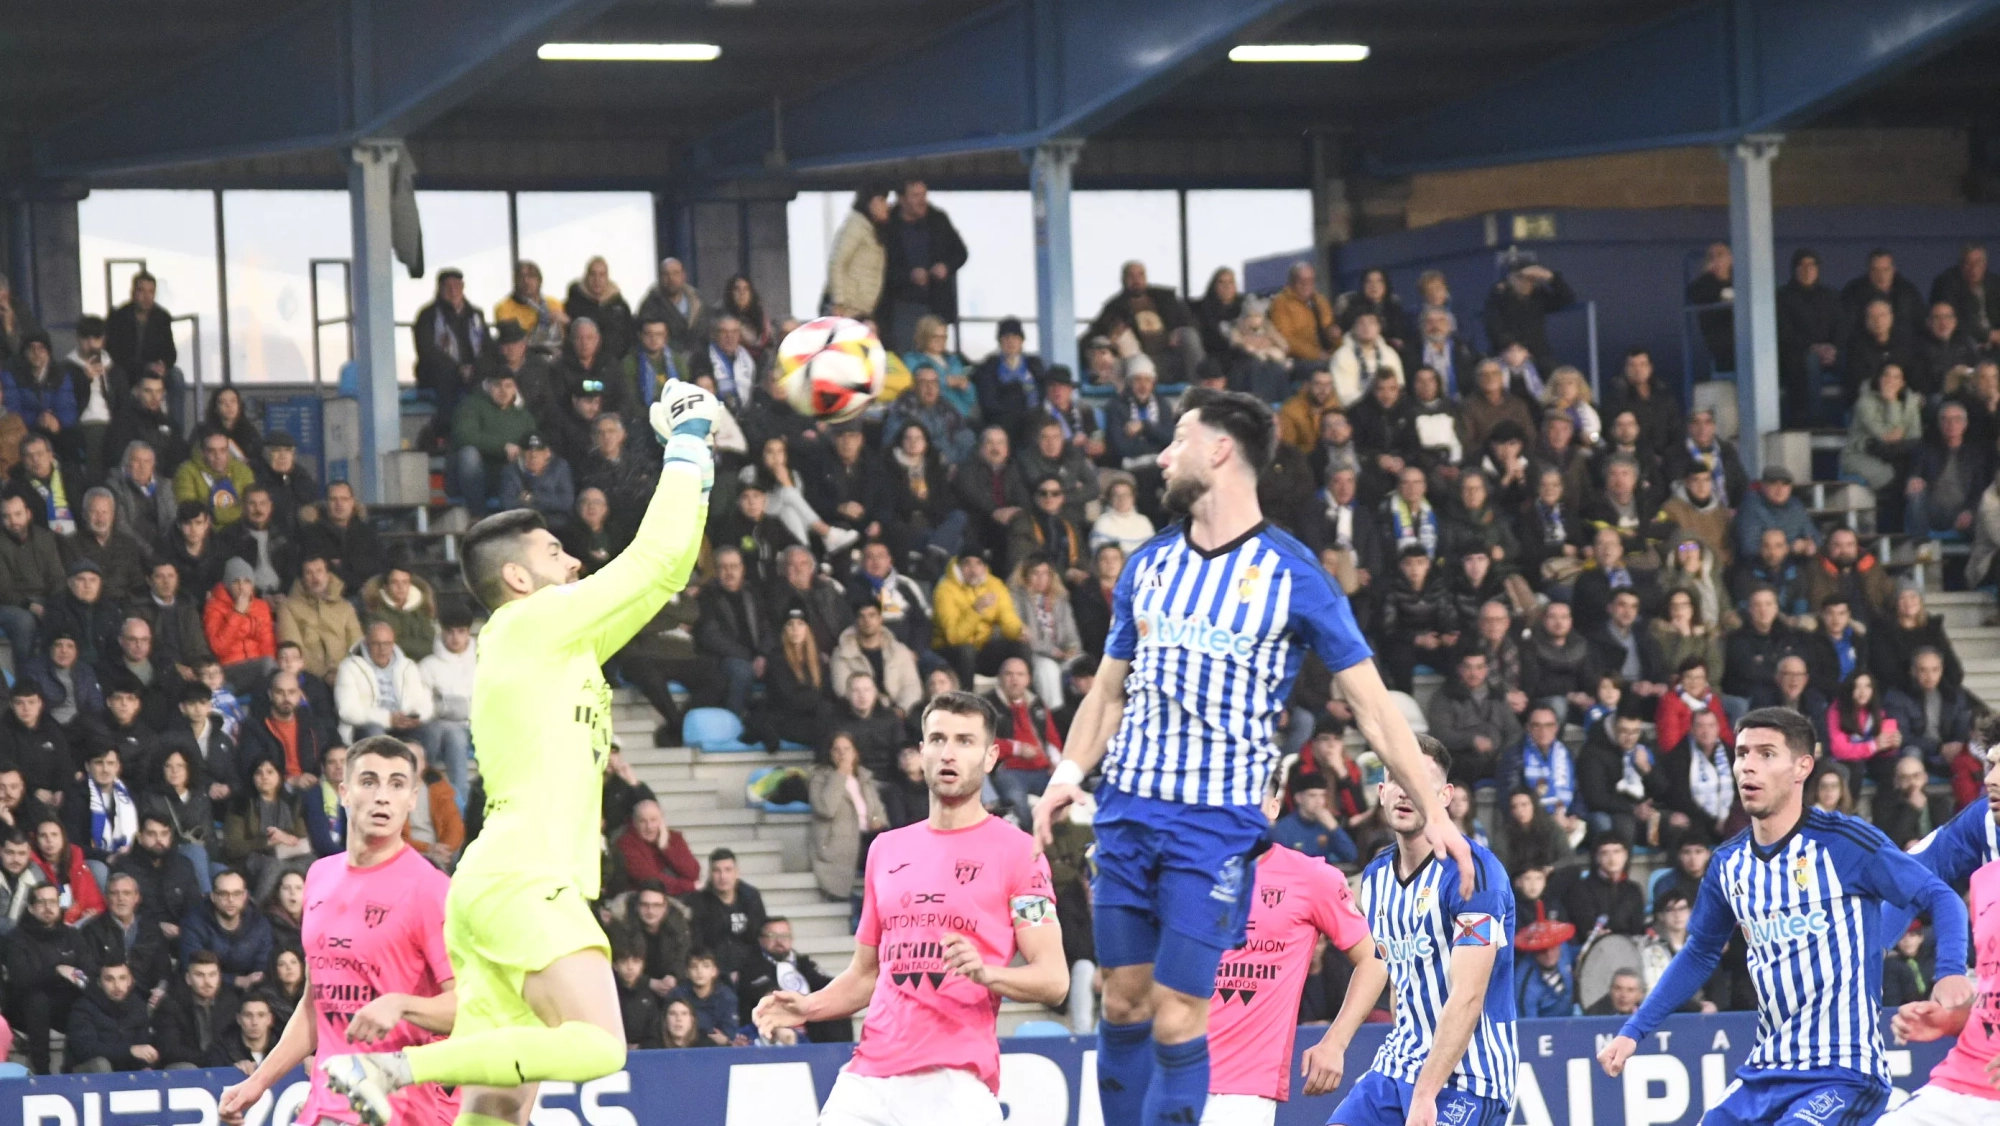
(1032, 877)
(868, 932)
(1334, 910)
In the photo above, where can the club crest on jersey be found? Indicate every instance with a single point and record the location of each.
(1271, 896)
(1228, 881)
(1424, 901)
(1457, 1112)
(1802, 872)
(967, 871)
(1821, 1108)
(1248, 586)
(374, 913)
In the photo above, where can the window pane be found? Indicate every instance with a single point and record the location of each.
(464, 230)
(560, 231)
(1113, 228)
(272, 237)
(999, 278)
(174, 232)
(1226, 228)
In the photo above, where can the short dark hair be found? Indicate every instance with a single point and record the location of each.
(719, 855)
(964, 703)
(1692, 662)
(773, 919)
(1245, 418)
(455, 616)
(491, 544)
(25, 687)
(204, 958)
(1797, 729)
(652, 886)
(1669, 897)
(1436, 752)
(1835, 599)
(383, 746)
(153, 816)
(704, 956)
(189, 511)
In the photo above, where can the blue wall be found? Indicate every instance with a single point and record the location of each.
(1635, 263)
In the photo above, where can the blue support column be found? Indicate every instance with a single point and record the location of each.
(370, 167)
(1055, 277)
(1755, 281)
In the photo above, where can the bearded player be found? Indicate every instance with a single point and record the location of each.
(1254, 1015)
(945, 905)
(536, 996)
(1210, 622)
(377, 973)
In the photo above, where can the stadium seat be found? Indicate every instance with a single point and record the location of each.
(1035, 1028)
(750, 791)
(714, 729)
(1659, 877)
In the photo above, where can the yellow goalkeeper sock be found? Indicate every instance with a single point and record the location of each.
(575, 1051)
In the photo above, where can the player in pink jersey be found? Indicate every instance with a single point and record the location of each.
(1962, 1090)
(377, 973)
(946, 904)
(1253, 1018)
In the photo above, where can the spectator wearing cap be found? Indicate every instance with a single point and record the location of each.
(405, 600)
(86, 612)
(1044, 530)
(572, 426)
(1312, 827)
(1138, 425)
(1696, 510)
(733, 627)
(1009, 382)
(868, 648)
(1909, 968)
(1081, 427)
(1157, 321)
(977, 628)
(490, 430)
(538, 479)
(450, 336)
(118, 555)
(70, 688)
(239, 627)
(43, 393)
(761, 537)
(31, 573)
(215, 479)
(1543, 984)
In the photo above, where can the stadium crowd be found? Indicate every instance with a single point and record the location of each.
(198, 628)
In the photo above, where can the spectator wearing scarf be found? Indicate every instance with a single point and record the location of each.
(540, 316)
(1674, 717)
(104, 815)
(450, 335)
(1549, 771)
(734, 368)
(1412, 520)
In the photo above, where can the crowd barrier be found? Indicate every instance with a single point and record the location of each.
(1679, 1072)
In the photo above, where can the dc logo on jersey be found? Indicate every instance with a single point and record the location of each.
(1271, 896)
(1821, 1109)
(1229, 881)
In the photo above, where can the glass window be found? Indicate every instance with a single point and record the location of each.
(465, 230)
(561, 231)
(1110, 229)
(1227, 228)
(272, 238)
(811, 221)
(999, 278)
(173, 232)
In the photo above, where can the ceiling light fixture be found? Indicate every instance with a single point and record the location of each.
(1299, 53)
(629, 52)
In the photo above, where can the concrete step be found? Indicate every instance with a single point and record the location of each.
(831, 952)
(756, 859)
(679, 796)
(822, 920)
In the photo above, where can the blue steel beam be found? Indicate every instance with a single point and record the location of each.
(324, 76)
(1009, 78)
(1711, 74)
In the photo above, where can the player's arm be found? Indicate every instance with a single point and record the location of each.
(432, 1014)
(1708, 932)
(1897, 877)
(1326, 1060)
(1096, 721)
(1928, 1020)
(843, 996)
(1471, 970)
(1382, 724)
(1042, 978)
(295, 1045)
(1952, 852)
(612, 605)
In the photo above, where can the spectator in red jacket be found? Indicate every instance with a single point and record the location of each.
(652, 851)
(238, 626)
(1677, 707)
(62, 864)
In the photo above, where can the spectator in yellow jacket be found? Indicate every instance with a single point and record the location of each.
(1304, 317)
(976, 627)
(215, 479)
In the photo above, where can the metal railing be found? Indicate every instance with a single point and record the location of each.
(345, 320)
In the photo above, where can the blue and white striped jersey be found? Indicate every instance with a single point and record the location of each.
(1954, 850)
(1215, 639)
(1810, 907)
(1417, 923)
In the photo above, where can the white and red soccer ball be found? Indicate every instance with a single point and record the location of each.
(831, 368)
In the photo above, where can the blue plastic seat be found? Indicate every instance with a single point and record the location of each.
(759, 775)
(1653, 883)
(1035, 1028)
(714, 729)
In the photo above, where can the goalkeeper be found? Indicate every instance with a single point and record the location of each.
(536, 996)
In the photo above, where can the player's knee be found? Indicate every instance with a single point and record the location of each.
(1177, 1017)
(1128, 994)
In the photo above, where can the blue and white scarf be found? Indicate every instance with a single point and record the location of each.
(1550, 775)
(1419, 527)
(114, 819)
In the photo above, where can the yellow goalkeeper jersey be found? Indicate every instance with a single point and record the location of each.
(541, 710)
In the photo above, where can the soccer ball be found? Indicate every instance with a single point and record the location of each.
(831, 368)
